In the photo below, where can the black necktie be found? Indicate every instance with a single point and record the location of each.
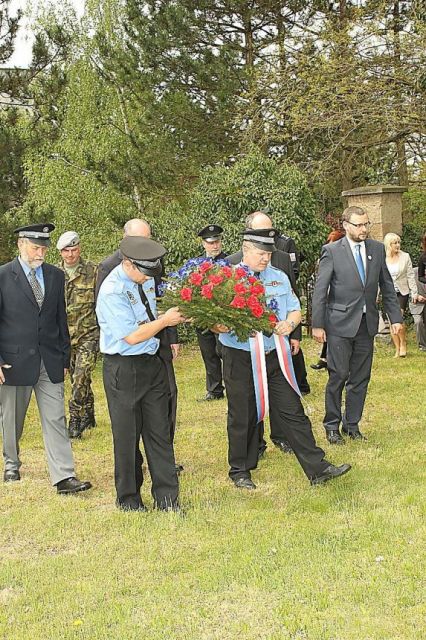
(256, 274)
(145, 302)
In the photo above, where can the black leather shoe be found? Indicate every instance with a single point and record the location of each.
(74, 427)
(244, 483)
(11, 476)
(334, 437)
(283, 446)
(331, 472)
(211, 396)
(321, 364)
(72, 485)
(354, 435)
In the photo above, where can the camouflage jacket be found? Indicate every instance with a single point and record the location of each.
(80, 303)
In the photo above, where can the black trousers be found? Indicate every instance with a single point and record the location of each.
(210, 348)
(136, 388)
(349, 363)
(300, 371)
(172, 395)
(277, 430)
(285, 406)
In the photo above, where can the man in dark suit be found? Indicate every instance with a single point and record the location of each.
(280, 260)
(169, 347)
(35, 354)
(344, 312)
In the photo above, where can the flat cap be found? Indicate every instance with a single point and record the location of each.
(36, 233)
(262, 238)
(68, 239)
(211, 232)
(145, 254)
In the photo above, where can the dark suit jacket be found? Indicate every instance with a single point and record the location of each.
(28, 334)
(339, 295)
(168, 336)
(279, 260)
(288, 245)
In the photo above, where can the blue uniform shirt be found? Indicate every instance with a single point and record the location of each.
(38, 272)
(120, 312)
(278, 288)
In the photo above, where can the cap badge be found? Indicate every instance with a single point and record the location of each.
(211, 228)
(45, 229)
(271, 234)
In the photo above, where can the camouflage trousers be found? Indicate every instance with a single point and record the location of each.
(83, 361)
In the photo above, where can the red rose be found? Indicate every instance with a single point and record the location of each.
(239, 288)
(196, 278)
(240, 272)
(205, 266)
(238, 302)
(257, 311)
(215, 279)
(186, 294)
(207, 291)
(257, 288)
(252, 279)
(252, 301)
(226, 271)
(273, 319)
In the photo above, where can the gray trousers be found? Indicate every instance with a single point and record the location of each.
(420, 327)
(14, 403)
(349, 363)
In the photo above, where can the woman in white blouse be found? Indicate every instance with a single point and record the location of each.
(401, 269)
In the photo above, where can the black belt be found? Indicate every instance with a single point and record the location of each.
(136, 355)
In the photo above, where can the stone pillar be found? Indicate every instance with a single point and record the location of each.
(382, 203)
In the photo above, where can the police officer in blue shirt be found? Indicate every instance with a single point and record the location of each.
(135, 378)
(285, 403)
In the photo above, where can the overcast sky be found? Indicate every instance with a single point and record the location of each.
(23, 42)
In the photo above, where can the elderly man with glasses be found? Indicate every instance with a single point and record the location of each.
(344, 312)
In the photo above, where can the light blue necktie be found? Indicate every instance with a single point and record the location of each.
(359, 262)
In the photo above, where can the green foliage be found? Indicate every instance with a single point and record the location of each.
(225, 195)
(12, 185)
(414, 226)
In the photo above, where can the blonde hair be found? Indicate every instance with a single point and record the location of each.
(388, 239)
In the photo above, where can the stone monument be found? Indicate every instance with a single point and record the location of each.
(382, 203)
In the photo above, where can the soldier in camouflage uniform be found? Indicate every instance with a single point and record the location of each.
(80, 280)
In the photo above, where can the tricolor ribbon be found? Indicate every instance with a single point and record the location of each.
(258, 365)
(260, 378)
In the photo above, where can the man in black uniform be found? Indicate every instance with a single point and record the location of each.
(211, 237)
(135, 379)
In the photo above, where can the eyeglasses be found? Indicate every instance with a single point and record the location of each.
(367, 225)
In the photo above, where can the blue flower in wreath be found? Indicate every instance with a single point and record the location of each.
(273, 304)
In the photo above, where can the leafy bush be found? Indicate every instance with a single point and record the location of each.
(225, 195)
(415, 225)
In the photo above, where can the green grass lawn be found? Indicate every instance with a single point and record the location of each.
(342, 561)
